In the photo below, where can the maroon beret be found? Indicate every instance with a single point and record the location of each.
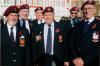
(88, 2)
(48, 9)
(25, 6)
(11, 9)
(74, 9)
(39, 8)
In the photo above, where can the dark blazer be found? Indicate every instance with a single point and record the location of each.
(35, 22)
(12, 53)
(60, 48)
(30, 24)
(84, 46)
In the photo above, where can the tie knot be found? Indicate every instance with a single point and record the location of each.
(23, 20)
(87, 21)
(49, 25)
(11, 28)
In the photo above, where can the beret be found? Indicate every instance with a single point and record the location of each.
(39, 8)
(24, 6)
(48, 9)
(74, 9)
(11, 9)
(88, 2)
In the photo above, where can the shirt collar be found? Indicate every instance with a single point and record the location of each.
(9, 27)
(90, 20)
(51, 23)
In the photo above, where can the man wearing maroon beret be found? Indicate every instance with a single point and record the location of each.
(23, 17)
(86, 39)
(39, 16)
(49, 42)
(14, 41)
(74, 13)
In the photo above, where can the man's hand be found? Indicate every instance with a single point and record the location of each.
(66, 63)
(78, 62)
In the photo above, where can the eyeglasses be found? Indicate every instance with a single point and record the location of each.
(88, 8)
(73, 13)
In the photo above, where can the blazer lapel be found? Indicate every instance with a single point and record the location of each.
(7, 33)
(42, 34)
(56, 33)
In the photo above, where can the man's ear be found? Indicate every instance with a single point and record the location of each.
(94, 10)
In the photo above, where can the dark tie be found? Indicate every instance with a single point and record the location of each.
(49, 41)
(11, 34)
(74, 22)
(24, 24)
(85, 28)
(41, 21)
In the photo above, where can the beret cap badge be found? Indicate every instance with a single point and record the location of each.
(49, 9)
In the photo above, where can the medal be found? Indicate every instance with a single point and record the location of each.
(60, 38)
(95, 36)
(22, 41)
(38, 38)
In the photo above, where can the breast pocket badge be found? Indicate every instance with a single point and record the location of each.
(38, 38)
(60, 38)
(22, 41)
(95, 36)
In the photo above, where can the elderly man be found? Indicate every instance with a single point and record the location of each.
(86, 39)
(74, 14)
(23, 17)
(50, 42)
(14, 41)
(39, 16)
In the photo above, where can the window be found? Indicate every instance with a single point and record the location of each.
(99, 1)
(9, 2)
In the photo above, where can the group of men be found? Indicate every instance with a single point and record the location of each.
(44, 41)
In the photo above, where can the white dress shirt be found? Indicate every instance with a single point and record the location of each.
(39, 22)
(14, 31)
(45, 36)
(26, 24)
(90, 20)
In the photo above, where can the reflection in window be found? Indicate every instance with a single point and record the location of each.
(52, 3)
(29, 2)
(17, 2)
(23, 1)
(35, 2)
(8, 1)
(40, 2)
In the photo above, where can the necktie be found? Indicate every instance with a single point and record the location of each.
(49, 41)
(11, 34)
(86, 27)
(74, 22)
(24, 24)
(41, 21)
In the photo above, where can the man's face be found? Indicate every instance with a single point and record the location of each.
(73, 14)
(12, 19)
(49, 17)
(24, 14)
(39, 15)
(89, 11)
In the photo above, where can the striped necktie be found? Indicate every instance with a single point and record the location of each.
(85, 28)
(49, 41)
(12, 34)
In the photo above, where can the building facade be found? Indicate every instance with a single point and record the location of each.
(62, 7)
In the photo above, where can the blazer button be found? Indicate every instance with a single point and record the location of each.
(14, 53)
(78, 49)
(14, 60)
